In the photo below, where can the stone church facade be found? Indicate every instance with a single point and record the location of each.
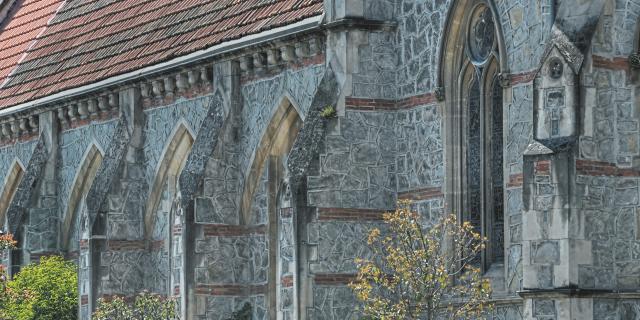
(179, 146)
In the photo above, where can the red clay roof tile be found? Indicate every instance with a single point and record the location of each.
(89, 40)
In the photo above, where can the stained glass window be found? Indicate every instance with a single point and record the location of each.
(484, 193)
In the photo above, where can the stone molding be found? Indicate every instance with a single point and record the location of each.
(601, 168)
(230, 289)
(366, 104)
(421, 194)
(333, 279)
(615, 63)
(349, 214)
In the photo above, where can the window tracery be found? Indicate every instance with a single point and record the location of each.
(481, 96)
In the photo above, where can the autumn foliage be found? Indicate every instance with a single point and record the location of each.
(420, 272)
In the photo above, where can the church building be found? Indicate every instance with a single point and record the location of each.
(232, 153)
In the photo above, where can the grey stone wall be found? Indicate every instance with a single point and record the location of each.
(519, 125)
(369, 156)
(418, 38)
(616, 309)
(73, 145)
(161, 122)
(526, 25)
(226, 170)
(8, 154)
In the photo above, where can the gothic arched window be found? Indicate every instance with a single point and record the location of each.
(471, 63)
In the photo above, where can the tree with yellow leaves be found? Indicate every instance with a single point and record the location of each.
(422, 272)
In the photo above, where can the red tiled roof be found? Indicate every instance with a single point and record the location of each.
(24, 23)
(90, 40)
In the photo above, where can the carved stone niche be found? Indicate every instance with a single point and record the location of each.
(556, 96)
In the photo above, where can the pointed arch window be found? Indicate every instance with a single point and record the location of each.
(472, 66)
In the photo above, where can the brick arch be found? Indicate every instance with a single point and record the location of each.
(10, 186)
(278, 139)
(82, 183)
(173, 158)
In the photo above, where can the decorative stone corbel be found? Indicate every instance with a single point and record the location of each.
(33, 123)
(62, 117)
(302, 49)
(83, 110)
(505, 80)
(439, 94)
(315, 45)
(169, 86)
(272, 57)
(24, 128)
(15, 127)
(71, 112)
(193, 77)
(634, 60)
(246, 63)
(92, 105)
(288, 53)
(259, 60)
(158, 88)
(144, 90)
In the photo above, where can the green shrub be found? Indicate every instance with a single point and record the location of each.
(146, 306)
(45, 291)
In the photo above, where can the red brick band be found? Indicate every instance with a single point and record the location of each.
(84, 299)
(365, 104)
(515, 180)
(334, 279)
(523, 77)
(130, 245)
(230, 289)
(616, 63)
(349, 214)
(601, 168)
(286, 281)
(543, 167)
(216, 230)
(421, 194)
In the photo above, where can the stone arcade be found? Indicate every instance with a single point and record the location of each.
(178, 146)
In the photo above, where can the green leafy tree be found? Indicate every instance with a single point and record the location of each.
(45, 291)
(419, 272)
(146, 306)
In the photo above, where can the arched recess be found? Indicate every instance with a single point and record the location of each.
(173, 158)
(472, 61)
(10, 186)
(81, 184)
(270, 161)
(277, 139)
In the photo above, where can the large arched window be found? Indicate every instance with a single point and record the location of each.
(471, 68)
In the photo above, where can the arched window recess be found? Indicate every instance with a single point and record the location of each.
(471, 67)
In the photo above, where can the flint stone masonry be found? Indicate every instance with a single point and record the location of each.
(369, 156)
(227, 168)
(73, 147)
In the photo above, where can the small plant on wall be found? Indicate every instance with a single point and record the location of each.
(417, 272)
(328, 112)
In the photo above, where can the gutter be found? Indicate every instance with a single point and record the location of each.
(306, 25)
